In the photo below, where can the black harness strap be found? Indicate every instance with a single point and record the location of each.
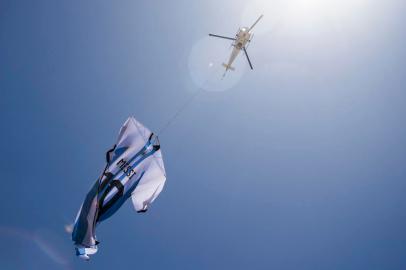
(104, 207)
(108, 154)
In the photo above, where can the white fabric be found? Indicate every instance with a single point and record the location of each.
(135, 135)
(151, 183)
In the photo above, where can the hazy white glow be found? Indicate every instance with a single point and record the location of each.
(295, 37)
(304, 15)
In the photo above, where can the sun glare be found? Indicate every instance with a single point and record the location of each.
(299, 14)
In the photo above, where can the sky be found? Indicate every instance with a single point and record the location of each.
(298, 164)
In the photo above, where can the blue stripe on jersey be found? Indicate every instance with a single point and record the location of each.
(119, 152)
(120, 201)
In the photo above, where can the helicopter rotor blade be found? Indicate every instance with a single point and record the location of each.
(218, 36)
(246, 54)
(260, 17)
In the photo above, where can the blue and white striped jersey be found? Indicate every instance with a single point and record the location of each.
(134, 169)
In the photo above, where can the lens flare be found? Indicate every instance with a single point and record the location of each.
(205, 65)
(19, 239)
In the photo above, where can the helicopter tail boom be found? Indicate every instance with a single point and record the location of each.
(228, 67)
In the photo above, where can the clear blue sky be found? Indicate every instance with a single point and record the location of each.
(299, 164)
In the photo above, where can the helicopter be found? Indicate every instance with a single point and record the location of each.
(240, 41)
